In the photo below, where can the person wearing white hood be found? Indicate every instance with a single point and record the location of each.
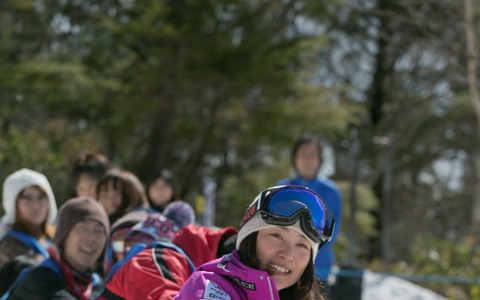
(30, 210)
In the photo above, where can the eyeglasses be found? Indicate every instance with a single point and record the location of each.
(285, 205)
(123, 239)
(29, 199)
(120, 246)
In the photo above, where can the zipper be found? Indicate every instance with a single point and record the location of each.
(270, 288)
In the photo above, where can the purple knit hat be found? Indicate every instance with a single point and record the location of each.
(155, 227)
(180, 212)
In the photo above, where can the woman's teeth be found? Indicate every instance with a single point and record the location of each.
(86, 249)
(279, 269)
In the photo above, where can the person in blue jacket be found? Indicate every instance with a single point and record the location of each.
(307, 159)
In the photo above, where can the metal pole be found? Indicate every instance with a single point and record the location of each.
(386, 192)
(354, 149)
(210, 191)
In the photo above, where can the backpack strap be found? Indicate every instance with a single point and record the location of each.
(156, 245)
(131, 253)
(96, 280)
(176, 248)
(28, 241)
(47, 263)
(161, 261)
(139, 247)
(15, 283)
(52, 265)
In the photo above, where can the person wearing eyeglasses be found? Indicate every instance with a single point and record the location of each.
(29, 205)
(27, 225)
(141, 226)
(280, 234)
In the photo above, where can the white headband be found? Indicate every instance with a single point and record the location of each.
(256, 223)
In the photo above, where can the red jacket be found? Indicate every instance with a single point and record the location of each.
(158, 272)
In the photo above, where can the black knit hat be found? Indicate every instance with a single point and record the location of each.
(76, 210)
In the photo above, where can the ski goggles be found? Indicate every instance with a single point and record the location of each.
(285, 205)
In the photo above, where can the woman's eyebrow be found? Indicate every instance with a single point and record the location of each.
(286, 229)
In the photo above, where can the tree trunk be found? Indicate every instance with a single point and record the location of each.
(472, 60)
(154, 159)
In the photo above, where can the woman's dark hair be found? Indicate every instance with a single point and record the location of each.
(304, 140)
(167, 176)
(133, 193)
(306, 288)
(95, 165)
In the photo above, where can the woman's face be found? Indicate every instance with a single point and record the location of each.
(85, 244)
(283, 253)
(32, 206)
(307, 161)
(160, 192)
(86, 186)
(110, 198)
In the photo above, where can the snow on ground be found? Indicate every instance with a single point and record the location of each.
(381, 287)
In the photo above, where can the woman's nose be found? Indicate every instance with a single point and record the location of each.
(286, 251)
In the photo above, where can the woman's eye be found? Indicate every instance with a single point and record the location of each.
(276, 235)
(304, 246)
(82, 230)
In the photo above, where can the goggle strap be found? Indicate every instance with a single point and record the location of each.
(305, 223)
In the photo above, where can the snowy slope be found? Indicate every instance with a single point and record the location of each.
(381, 287)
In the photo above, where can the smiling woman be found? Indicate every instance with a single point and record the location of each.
(30, 210)
(280, 234)
(29, 206)
(294, 249)
(80, 240)
(85, 244)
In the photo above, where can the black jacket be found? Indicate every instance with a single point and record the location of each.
(41, 283)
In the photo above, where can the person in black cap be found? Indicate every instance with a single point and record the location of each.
(87, 170)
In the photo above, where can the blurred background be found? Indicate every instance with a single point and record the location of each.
(218, 90)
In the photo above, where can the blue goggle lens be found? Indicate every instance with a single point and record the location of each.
(288, 202)
(281, 204)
